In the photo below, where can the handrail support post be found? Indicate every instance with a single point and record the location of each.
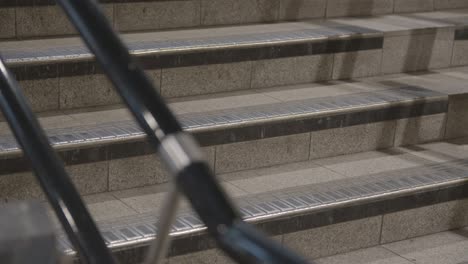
(158, 249)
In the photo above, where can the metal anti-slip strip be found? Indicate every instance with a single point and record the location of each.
(129, 129)
(293, 201)
(46, 53)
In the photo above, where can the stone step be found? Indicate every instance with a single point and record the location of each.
(445, 247)
(318, 208)
(33, 19)
(105, 150)
(60, 74)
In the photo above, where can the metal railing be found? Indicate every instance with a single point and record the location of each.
(50, 172)
(192, 176)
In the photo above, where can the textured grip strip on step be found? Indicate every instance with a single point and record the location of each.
(66, 60)
(245, 40)
(258, 116)
(154, 55)
(301, 201)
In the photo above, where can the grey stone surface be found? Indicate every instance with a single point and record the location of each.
(417, 51)
(420, 129)
(339, 8)
(219, 12)
(35, 21)
(335, 239)
(156, 15)
(7, 23)
(90, 178)
(443, 151)
(202, 257)
(238, 175)
(105, 207)
(371, 162)
(93, 117)
(155, 76)
(86, 91)
(374, 255)
(460, 53)
(216, 12)
(232, 190)
(424, 220)
(261, 153)
(205, 79)
(461, 73)
(217, 102)
(211, 256)
(209, 155)
(4, 128)
(446, 247)
(313, 90)
(19, 186)
(457, 116)
(449, 83)
(293, 70)
(346, 140)
(143, 199)
(135, 172)
(150, 198)
(442, 48)
(47, 121)
(357, 64)
(302, 9)
(270, 179)
(50, 120)
(144, 170)
(223, 258)
(450, 4)
(399, 25)
(405, 6)
(43, 95)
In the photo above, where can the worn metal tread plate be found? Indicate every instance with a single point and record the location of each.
(73, 59)
(322, 113)
(313, 201)
(328, 30)
(298, 39)
(72, 52)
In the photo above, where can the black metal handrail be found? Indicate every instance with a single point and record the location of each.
(193, 176)
(50, 172)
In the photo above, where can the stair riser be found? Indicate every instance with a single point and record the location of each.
(71, 85)
(460, 47)
(339, 230)
(127, 165)
(27, 19)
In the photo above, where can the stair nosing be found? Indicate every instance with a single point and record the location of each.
(12, 149)
(161, 58)
(325, 30)
(447, 183)
(55, 59)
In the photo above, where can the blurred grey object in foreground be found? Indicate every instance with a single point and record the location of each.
(26, 234)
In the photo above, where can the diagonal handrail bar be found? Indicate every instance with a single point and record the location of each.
(50, 172)
(178, 149)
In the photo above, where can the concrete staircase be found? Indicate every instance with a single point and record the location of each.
(443, 247)
(337, 125)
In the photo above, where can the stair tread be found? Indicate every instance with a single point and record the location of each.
(299, 188)
(43, 50)
(202, 114)
(444, 247)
